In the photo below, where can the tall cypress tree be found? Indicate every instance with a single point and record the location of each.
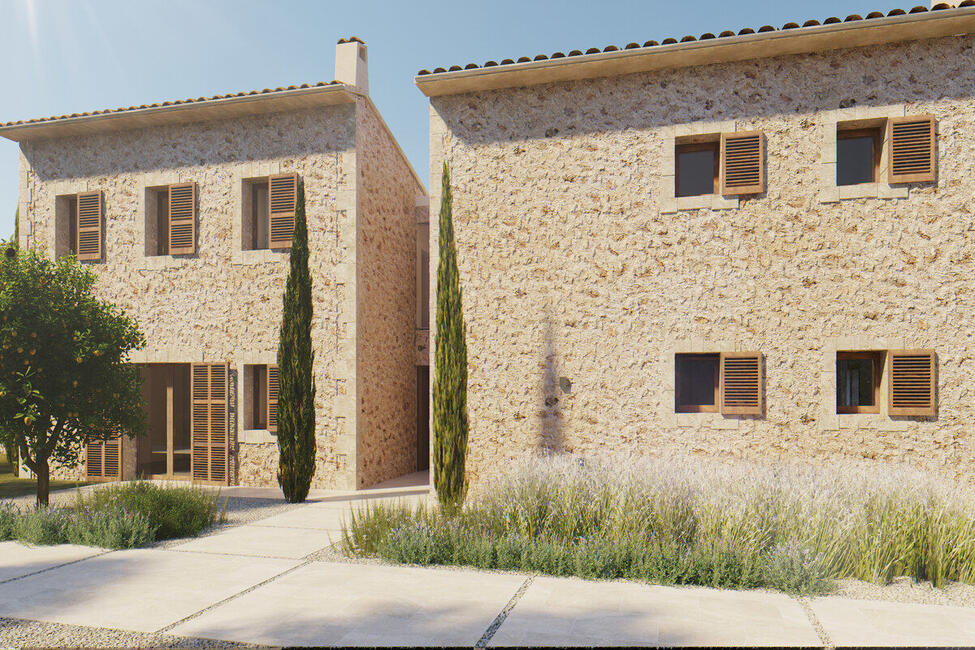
(450, 422)
(296, 393)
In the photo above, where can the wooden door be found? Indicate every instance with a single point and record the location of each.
(209, 422)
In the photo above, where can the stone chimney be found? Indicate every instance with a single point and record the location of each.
(352, 63)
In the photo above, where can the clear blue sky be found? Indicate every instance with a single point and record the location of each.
(68, 56)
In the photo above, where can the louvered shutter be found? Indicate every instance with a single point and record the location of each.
(182, 219)
(103, 460)
(282, 196)
(911, 379)
(741, 383)
(910, 153)
(88, 245)
(209, 422)
(742, 163)
(272, 398)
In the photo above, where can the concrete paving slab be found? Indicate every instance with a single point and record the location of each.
(331, 603)
(256, 540)
(18, 559)
(308, 517)
(142, 590)
(879, 623)
(574, 612)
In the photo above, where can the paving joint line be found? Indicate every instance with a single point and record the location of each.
(56, 566)
(503, 614)
(172, 626)
(814, 621)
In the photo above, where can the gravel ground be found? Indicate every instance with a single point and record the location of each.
(905, 590)
(18, 633)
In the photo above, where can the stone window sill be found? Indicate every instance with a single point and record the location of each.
(261, 256)
(703, 202)
(157, 262)
(257, 436)
(862, 191)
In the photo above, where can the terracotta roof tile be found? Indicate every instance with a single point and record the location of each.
(833, 20)
(174, 102)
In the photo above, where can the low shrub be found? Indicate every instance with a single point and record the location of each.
(115, 529)
(171, 511)
(8, 522)
(691, 521)
(117, 516)
(41, 526)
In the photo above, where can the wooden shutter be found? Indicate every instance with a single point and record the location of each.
(742, 163)
(182, 219)
(911, 379)
(103, 460)
(910, 153)
(282, 193)
(272, 398)
(741, 383)
(88, 245)
(209, 422)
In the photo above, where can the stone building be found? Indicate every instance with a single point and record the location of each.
(185, 211)
(754, 245)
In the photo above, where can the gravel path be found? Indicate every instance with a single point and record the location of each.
(18, 633)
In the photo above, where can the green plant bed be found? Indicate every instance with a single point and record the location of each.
(12, 486)
(686, 521)
(120, 515)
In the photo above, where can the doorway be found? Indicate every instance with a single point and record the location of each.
(422, 418)
(165, 450)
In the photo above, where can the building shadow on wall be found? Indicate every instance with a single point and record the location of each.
(550, 434)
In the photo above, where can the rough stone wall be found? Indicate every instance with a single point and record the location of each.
(386, 264)
(221, 303)
(574, 265)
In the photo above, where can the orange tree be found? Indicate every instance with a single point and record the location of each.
(64, 376)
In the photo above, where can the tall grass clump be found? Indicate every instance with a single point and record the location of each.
(792, 526)
(170, 511)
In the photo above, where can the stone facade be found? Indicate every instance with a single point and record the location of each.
(224, 303)
(583, 275)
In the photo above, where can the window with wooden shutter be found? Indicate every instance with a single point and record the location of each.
(209, 422)
(742, 163)
(741, 383)
(103, 460)
(282, 198)
(910, 153)
(272, 398)
(911, 377)
(182, 219)
(88, 245)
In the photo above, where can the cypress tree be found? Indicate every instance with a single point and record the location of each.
(296, 392)
(450, 422)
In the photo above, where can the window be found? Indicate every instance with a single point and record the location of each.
(697, 168)
(261, 397)
(729, 383)
(269, 211)
(858, 378)
(732, 164)
(79, 223)
(858, 155)
(697, 383)
(171, 219)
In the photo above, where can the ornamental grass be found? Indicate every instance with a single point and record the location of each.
(793, 527)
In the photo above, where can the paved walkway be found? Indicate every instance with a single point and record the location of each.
(261, 583)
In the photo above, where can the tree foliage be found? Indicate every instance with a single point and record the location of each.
(64, 376)
(450, 422)
(296, 393)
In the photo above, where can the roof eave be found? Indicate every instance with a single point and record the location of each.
(877, 31)
(196, 111)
